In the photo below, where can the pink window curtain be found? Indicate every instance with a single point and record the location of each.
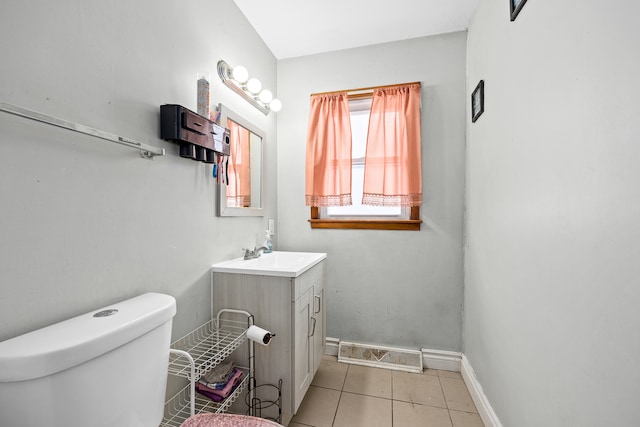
(393, 165)
(239, 185)
(328, 163)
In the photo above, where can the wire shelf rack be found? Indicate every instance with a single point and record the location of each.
(198, 352)
(205, 347)
(177, 409)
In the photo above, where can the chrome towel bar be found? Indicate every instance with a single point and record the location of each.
(146, 151)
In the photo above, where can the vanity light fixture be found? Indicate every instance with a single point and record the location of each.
(237, 78)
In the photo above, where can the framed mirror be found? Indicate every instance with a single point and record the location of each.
(242, 192)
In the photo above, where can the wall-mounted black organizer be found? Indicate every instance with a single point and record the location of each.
(199, 137)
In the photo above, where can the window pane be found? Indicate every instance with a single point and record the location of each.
(357, 209)
(359, 127)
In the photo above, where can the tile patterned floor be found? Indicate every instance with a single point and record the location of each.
(344, 395)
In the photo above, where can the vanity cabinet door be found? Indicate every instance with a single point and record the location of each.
(304, 326)
(320, 335)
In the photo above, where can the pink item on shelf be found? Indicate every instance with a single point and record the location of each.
(220, 373)
(218, 385)
(218, 395)
(227, 420)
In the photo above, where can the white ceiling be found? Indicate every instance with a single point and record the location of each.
(302, 27)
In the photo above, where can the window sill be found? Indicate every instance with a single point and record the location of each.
(413, 223)
(367, 224)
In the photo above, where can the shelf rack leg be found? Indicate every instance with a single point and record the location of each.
(192, 377)
(250, 322)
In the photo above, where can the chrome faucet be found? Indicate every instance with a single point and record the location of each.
(255, 253)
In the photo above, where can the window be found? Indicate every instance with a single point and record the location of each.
(357, 215)
(359, 111)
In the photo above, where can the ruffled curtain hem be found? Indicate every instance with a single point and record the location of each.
(325, 201)
(238, 201)
(395, 200)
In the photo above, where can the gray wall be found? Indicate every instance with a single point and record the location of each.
(551, 266)
(85, 223)
(387, 287)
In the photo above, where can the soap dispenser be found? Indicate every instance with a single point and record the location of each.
(268, 244)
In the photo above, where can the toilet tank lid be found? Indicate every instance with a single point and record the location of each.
(74, 341)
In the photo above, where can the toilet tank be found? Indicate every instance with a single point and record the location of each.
(104, 368)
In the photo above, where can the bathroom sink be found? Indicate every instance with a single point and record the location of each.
(277, 263)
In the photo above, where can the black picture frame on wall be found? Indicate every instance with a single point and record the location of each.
(477, 101)
(515, 7)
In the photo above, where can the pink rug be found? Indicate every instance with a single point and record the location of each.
(227, 420)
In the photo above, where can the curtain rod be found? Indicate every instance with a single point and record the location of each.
(365, 89)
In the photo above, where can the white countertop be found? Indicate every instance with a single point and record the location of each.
(277, 263)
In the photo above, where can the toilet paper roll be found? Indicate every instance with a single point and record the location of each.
(259, 335)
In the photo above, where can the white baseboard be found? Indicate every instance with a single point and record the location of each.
(489, 417)
(441, 360)
(331, 346)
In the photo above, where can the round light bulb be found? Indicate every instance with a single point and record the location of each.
(240, 74)
(275, 105)
(254, 85)
(265, 96)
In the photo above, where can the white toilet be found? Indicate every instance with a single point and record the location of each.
(106, 368)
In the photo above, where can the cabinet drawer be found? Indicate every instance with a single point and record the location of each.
(195, 123)
(308, 279)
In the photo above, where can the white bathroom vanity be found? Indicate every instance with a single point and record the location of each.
(285, 292)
